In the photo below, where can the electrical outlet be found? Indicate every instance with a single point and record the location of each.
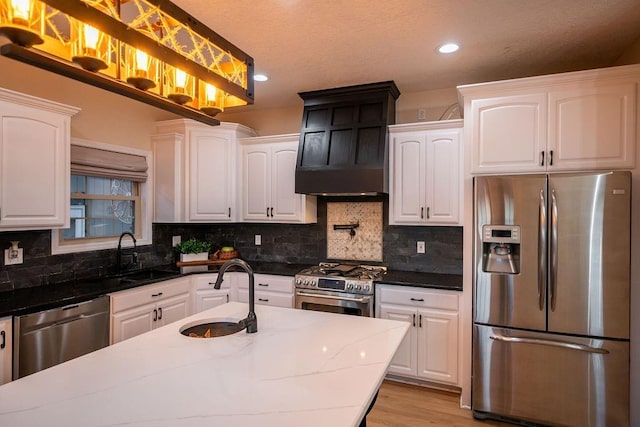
(258, 239)
(175, 240)
(12, 257)
(421, 247)
(422, 114)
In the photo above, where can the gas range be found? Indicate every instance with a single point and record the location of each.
(336, 277)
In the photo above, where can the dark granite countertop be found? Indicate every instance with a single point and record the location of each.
(31, 300)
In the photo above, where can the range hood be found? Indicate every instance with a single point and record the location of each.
(344, 137)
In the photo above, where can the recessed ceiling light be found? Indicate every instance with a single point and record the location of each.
(448, 48)
(260, 77)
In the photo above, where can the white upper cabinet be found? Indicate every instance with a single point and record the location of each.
(425, 173)
(34, 162)
(267, 174)
(195, 174)
(562, 122)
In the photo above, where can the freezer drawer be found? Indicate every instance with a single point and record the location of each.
(550, 379)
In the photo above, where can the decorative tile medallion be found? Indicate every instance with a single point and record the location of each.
(361, 243)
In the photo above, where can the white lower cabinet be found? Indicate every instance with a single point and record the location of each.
(6, 352)
(204, 294)
(430, 348)
(269, 290)
(143, 309)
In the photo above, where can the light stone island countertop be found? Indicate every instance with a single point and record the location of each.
(302, 368)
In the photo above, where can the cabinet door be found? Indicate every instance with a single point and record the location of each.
(256, 182)
(129, 323)
(210, 177)
(509, 133)
(286, 204)
(438, 345)
(442, 177)
(206, 299)
(407, 197)
(34, 168)
(172, 309)
(6, 352)
(592, 127)
(405, 361)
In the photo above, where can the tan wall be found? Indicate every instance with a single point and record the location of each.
(105, 117)
(631, 55)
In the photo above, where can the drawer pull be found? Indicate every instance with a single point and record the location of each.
(263, 299)
(417, 299)
(156, 295)
(263, 284)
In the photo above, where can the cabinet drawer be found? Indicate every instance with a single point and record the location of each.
(267, 298)
(268, 282)
(417, 297)
(206, 281)
(149, 294)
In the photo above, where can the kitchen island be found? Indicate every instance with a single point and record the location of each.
(301, 368)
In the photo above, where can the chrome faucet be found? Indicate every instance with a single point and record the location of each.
(134, 255)
(251, 322)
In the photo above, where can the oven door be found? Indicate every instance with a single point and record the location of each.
(334, 302)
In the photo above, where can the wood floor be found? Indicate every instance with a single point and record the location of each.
(404, 405)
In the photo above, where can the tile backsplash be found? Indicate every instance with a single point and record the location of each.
(363, 243)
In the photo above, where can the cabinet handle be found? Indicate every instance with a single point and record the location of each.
(263, 284)
(421, 213)
(155, 314)
(263, 299)
(542, 158)
(551, 158)
(417, 299)
(427, 212)
(271, 212)
(420, 321)
(160, 313)
(229, 214)
(414, 320)
(4, 339)
(156, 295)
(267, 212)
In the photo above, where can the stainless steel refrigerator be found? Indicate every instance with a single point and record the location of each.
(551, 298)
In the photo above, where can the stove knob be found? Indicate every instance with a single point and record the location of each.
(312, 282)
(357, 287)
(349, 286)
(298, 281)
(366, 288)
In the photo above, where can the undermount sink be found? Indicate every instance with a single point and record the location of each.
(139, 276)
(211, 328)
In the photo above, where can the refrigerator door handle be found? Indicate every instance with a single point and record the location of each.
(553, 252)
(542, 249)
(567, 345)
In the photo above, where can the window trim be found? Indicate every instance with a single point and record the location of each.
(146, 207)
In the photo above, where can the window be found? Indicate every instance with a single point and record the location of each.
(102, 207)
(110, 192)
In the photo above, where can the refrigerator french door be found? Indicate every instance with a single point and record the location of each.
(551, 298)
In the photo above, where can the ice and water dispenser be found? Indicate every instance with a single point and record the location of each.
(501, 249)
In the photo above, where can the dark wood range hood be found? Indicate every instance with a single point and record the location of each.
(344, 140)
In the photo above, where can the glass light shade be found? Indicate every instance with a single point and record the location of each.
(211, 99)
(22, 21)
(141, 69)
(91, 48)
(179, 85)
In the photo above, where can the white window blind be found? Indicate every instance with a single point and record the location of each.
(103, 163)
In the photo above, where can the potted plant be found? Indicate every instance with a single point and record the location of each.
(193, 250)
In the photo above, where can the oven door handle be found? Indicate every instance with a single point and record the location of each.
(361, 300)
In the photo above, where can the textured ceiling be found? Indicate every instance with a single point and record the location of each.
(316, 44)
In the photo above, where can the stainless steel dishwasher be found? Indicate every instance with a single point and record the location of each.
(47, 338)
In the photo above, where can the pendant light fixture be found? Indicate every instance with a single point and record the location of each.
(148, 50)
